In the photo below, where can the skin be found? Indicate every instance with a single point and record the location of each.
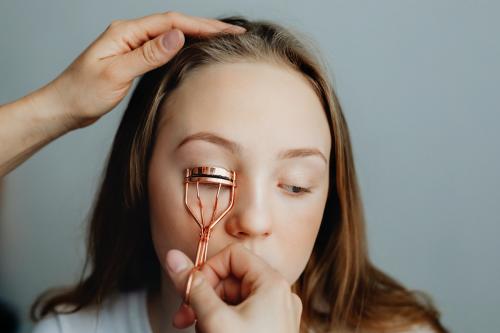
(95, 82)
(265, 109)
(92, 86)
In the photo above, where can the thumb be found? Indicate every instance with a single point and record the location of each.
(152, 54)
(203, 299)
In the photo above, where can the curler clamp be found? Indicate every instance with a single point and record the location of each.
(212, 176)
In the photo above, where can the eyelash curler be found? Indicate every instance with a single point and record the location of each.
(211, 176)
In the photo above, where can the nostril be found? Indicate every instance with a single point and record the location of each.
(241, 234)
(238, 233)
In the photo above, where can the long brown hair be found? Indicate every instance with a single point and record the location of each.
(340, 288)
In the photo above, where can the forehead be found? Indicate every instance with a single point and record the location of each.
(248, 102)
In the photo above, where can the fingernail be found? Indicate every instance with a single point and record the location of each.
(237, 28)
(234, 29)
(175, 261)
(171, 40)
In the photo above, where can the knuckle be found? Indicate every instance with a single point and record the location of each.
(172, 14)
(109, 74)
(116, 22)
(297, 302)
(114, 25)
(150, 54)
(215, 320)
(199, 284)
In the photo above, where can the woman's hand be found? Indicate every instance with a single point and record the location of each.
(95, 82)
(102, 75)
(235, 291)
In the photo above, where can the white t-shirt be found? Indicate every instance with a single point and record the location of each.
(121, 313)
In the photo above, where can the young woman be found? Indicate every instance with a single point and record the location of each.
(259, 103)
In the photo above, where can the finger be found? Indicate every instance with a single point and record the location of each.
(233, 272)
(149, 56)
(236, 260)
(203, 299)
(156, 24)
(184, 317)
(179, 267)
(134, 33)
(229, 290)
(223, 25)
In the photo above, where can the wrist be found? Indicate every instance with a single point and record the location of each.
(48, 106)
(28, 124)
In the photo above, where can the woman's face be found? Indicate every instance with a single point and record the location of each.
(263, 121)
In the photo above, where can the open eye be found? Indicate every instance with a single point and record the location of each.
(296, 190)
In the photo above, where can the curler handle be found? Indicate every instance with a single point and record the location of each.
(201, 258)
(201, 252)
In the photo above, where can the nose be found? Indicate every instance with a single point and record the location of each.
(251, 215)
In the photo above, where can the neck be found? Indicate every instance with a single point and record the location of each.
(162, 306)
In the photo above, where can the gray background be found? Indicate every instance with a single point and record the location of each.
(417, 81)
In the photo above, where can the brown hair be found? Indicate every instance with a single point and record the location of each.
(340, 288)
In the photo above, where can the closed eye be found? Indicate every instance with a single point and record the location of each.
(296, 190)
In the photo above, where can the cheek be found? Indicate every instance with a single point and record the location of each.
(297, 234)
(171, 226)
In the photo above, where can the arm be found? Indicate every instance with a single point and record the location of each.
(28, 124)
(96, 81)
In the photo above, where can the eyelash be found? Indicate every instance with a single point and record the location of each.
(303, 190)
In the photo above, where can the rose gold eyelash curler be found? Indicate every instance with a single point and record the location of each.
(212, 176)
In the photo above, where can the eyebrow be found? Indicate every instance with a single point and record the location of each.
(235, 149)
